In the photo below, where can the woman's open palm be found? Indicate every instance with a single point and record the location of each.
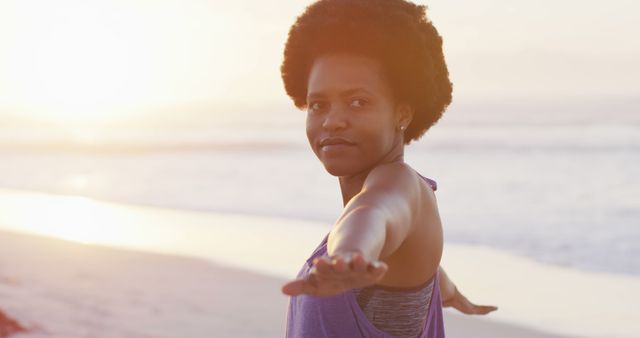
(335, 275)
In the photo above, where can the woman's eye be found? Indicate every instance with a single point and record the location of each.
(315, 106)
(358, 103)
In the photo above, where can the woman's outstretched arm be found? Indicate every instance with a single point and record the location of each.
(378, 219)
(373, 225)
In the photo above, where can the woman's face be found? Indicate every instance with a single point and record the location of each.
(352, 121)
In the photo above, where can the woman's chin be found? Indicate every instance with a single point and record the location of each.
(339, 169)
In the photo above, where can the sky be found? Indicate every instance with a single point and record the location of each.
(109, 60)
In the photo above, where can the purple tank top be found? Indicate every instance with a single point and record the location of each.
(341, 316)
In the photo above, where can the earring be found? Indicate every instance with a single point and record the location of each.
(402, 128)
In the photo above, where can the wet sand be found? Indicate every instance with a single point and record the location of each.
(59, 288)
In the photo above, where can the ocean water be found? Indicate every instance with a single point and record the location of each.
(563, 191)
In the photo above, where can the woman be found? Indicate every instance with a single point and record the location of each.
(371, 75)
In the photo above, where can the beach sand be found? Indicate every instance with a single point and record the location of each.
(59, 288)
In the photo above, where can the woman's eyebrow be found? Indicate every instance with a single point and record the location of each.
(343, 93)
(354, 91)
(315, 95)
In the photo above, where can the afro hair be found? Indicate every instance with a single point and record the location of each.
(396, 33)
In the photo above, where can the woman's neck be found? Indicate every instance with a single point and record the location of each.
(352, 185)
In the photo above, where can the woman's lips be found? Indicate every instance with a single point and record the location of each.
(335, 144)
(329, 148)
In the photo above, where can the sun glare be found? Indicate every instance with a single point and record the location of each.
(79, 64)
(77, 219)
(73, 218)
(83, 75)
(85, 220)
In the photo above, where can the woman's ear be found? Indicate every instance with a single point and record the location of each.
(404, 115)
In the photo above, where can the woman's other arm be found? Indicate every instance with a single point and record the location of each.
(451, 297)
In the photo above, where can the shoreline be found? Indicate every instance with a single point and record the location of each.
(61, 289)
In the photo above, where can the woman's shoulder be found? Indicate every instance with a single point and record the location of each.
(399, 173)
(394, 169)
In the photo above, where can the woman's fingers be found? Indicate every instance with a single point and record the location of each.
(300, 286)
(356, 267)
(478, 309)
(462, 304)
(322, 265)
(358, 263)
(331, 276)
(484, 309)
(340, 264)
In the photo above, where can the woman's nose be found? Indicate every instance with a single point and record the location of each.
(334, 119)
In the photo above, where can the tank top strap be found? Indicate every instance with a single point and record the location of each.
(320, 250)
(433, 184)
(434, 325)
